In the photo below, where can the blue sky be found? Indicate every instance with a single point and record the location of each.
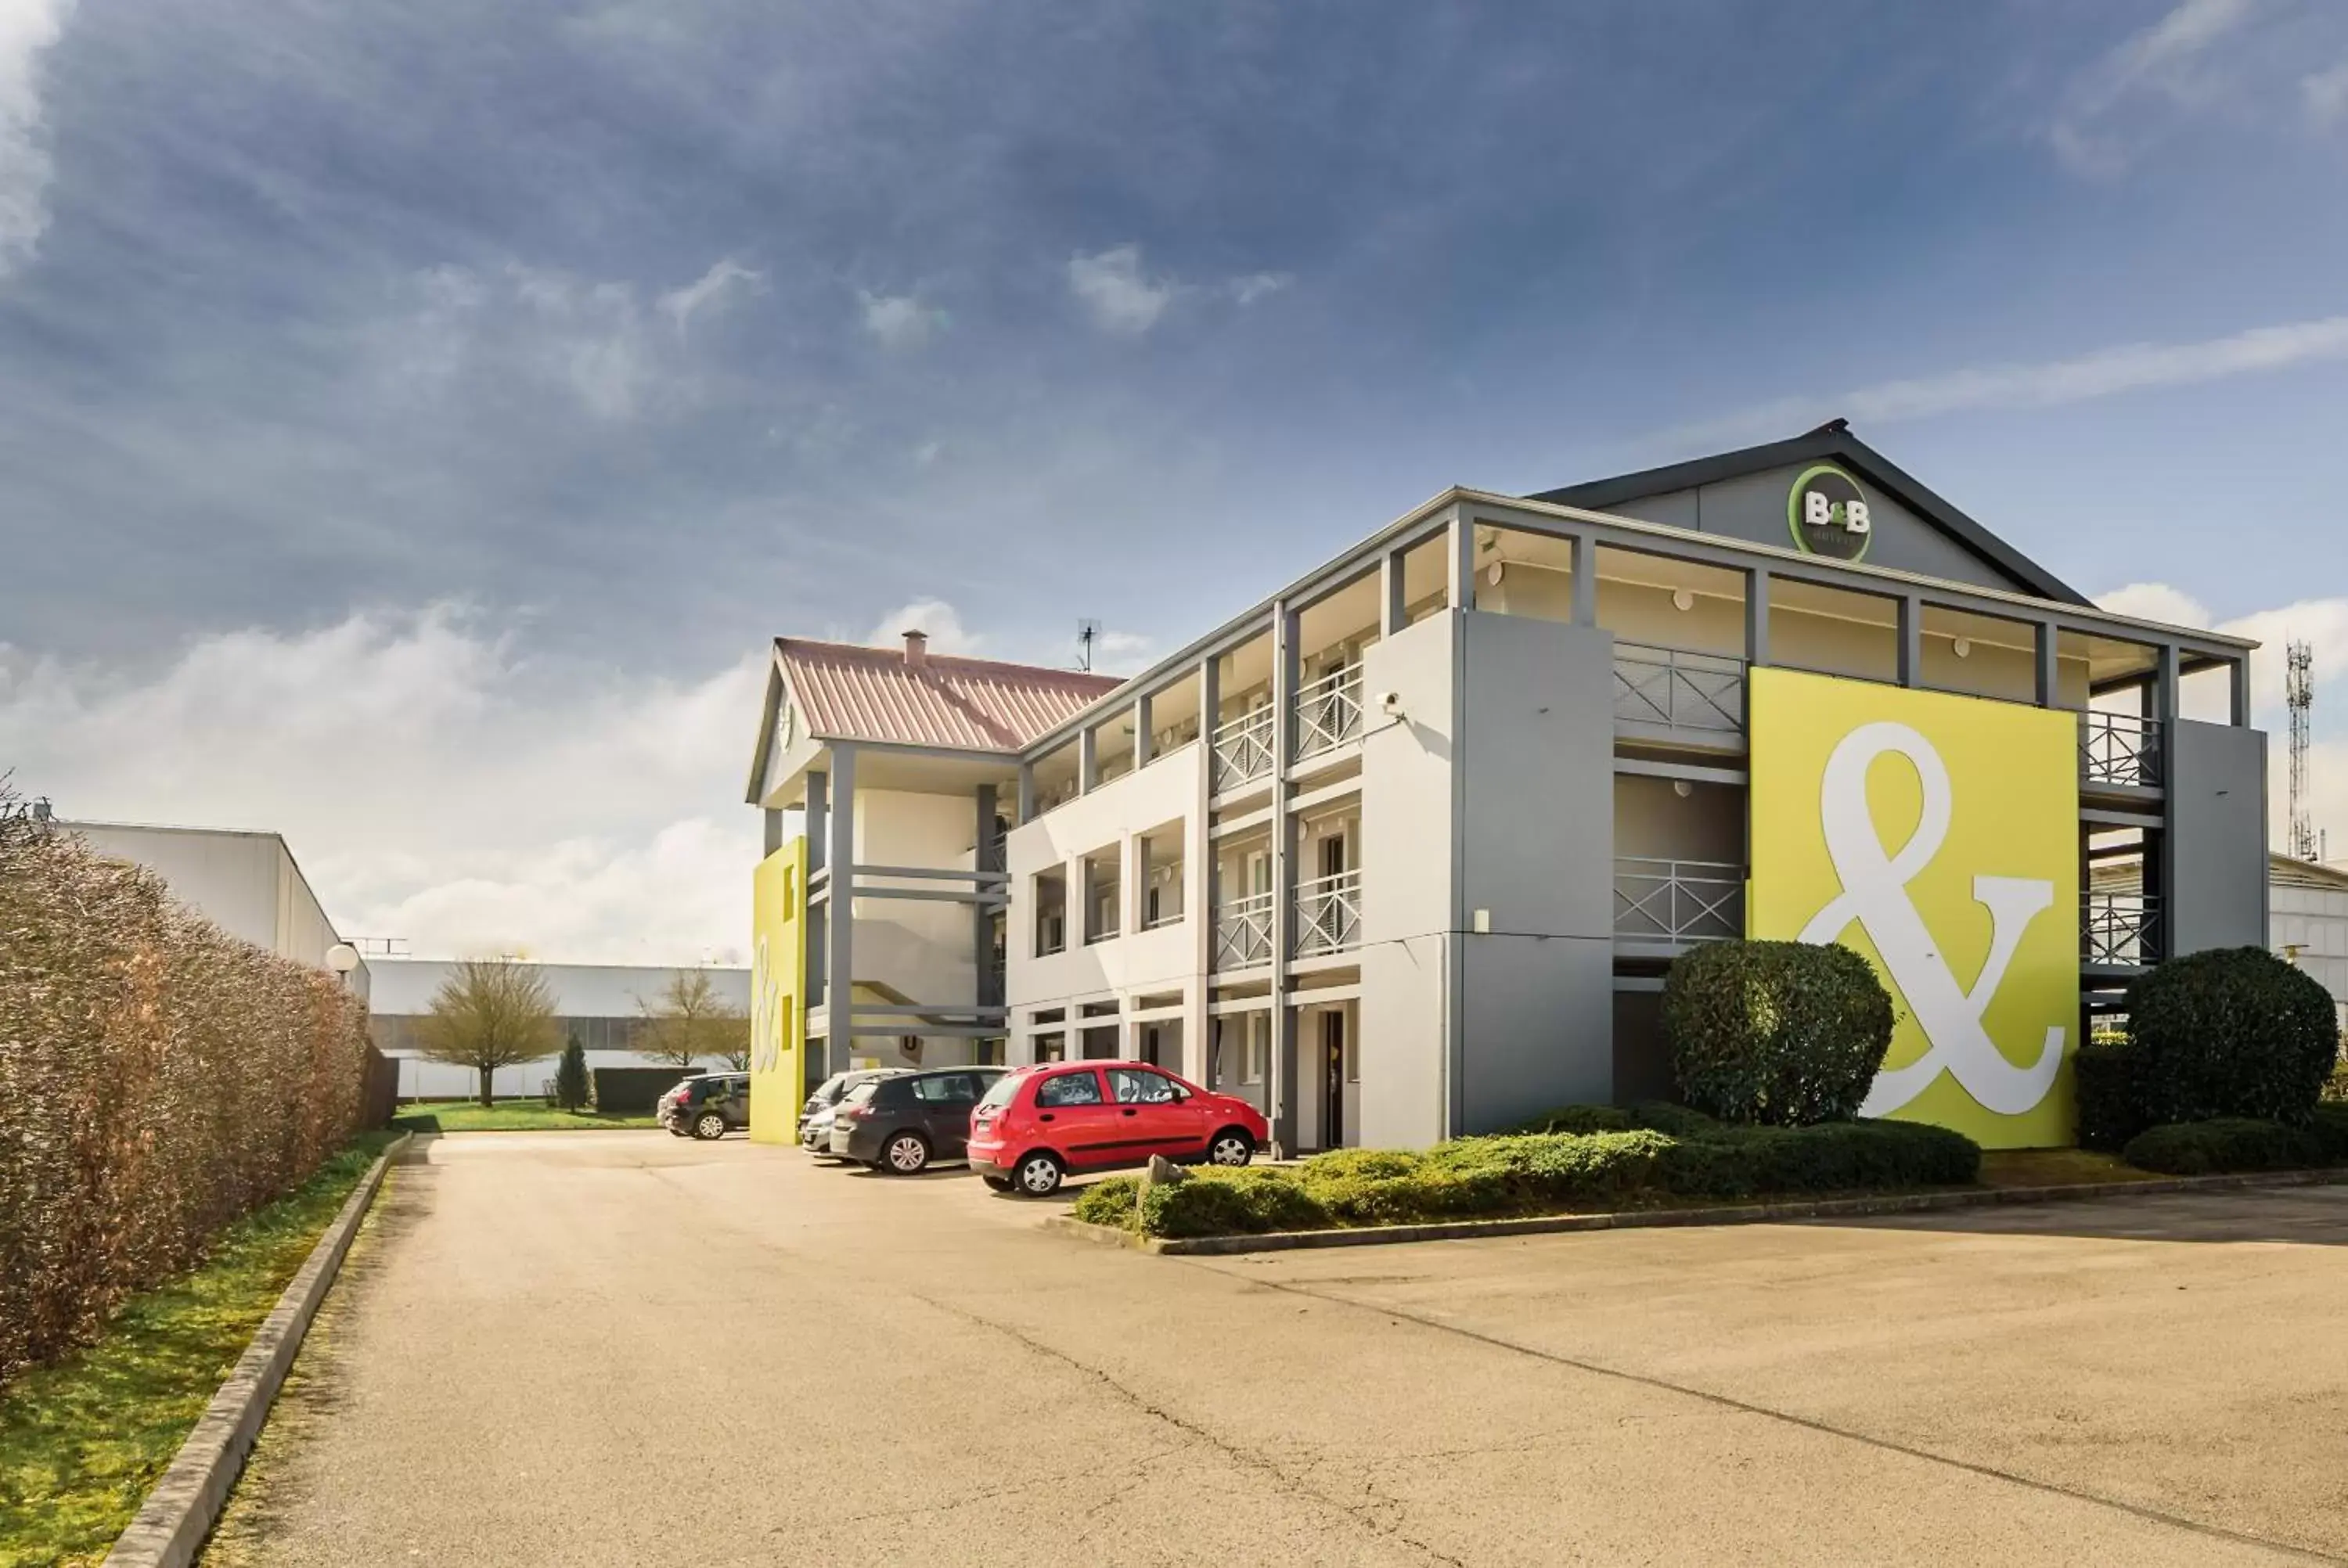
(457, 372)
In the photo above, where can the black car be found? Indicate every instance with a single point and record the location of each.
(711, 1105)
(902, 1125)
(815, 1116)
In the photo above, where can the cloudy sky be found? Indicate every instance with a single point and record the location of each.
(415, 418)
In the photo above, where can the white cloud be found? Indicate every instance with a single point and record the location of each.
(939, 619)
(2167, 60)
(2325, 94)
(725, 279)
(900, 321)
(28, 29)
(433, 784)
(1115, 294)
(1247, 291)
(593, 340)
(2102, 373)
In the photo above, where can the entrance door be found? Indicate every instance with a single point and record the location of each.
(1332, 1075)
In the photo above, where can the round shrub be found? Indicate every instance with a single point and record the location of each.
(1775, 1033)
(1213, 1203)
(2226, 1143)
(1109, 1202)
(2233, 1032)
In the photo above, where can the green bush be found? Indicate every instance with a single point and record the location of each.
(2226, 1143)
(2111, 1104)
(1774, 1033)
(571, 1077)
(1224, 1202)
(1577, 1119)
(2233, 1032)
(1679, 1121)
(1109, 1202)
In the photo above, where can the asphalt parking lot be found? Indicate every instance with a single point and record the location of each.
(624, 1349)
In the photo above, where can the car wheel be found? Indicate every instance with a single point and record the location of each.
(1231, 1147)
(710, 1125)
(904, 1154)
(999, 1184)
(1039, 1175)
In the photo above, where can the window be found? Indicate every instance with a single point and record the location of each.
(944, 1088)
(1051, 1048)
(1132, 1086)
(1000, 1092)
(1068, 1089)
(1257, 1058)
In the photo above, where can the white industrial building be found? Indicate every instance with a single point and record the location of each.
(602, 1004)
(2307, 921)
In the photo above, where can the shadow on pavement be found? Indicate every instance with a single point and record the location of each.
(2302, 1216)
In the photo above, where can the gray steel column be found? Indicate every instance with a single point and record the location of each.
(1026, 792)
(1583, 563)
(773, 826)
(818, 947)
(1459, 554)
(2239, 698)
(1756, 615)
(2050, 673)
(1281, 1091)
(1911, 641)
(840, 855)
(1141, 738)
(1393, 606)
(1199, 884)
(1088, 774)
(2165, 685)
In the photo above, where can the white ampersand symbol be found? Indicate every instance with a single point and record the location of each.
(1874, 893)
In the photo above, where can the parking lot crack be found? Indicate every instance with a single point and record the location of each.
(1363, 1513)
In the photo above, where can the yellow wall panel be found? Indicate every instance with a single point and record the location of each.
(778, 993)
(1939, 836)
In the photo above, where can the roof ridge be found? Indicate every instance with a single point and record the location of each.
(885, 655)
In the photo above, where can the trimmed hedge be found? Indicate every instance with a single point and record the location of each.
(2228, 1144)
(1775, 1033)
(2234, 1033)
(1528, 1174)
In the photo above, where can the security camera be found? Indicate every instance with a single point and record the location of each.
(1390, 703)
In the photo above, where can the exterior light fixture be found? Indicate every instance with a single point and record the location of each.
(1682, 599)
(1682, 788)
(1492, 574)
(1962, 646)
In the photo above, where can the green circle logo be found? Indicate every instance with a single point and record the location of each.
(1828, 514)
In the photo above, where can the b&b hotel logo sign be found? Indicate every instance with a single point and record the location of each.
(1938, 837)
(1828, 514)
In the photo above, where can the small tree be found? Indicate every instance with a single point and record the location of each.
(570, 1077)
(490, 1013)
(689, 1019)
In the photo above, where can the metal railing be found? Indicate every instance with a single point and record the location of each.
(1243, 932)
(1659, 900)
(1674, 687)
(1243, 749)
(1329, 914)
(1329, 712)
(2119, 930)
(2120, 748)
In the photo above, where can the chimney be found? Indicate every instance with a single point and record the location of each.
(917, 650)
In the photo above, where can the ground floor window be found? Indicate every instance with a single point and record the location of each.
(1257, 1056)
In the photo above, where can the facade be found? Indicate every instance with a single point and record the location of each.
(247, 883)
(1402, 852)
(598, 1003)
(2309, 922)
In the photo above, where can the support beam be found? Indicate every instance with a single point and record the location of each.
(1756, 615)
(2238, 695)
(1460, 553)
(1583, 612)
(819, 842)
(1911, 641)
(2050, 670)
(987, 861)
(1394, 602)
(1199, 883)
(1026, 792)
(839, 961)
(773, 826)
(2165, 683)
(1141, 731)
(1280, 1091)
(1088, 762)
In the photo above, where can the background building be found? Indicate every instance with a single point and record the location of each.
(2308, 922)
(602, 1004)
(248, 884)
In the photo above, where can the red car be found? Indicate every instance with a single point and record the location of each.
(1040, 1123)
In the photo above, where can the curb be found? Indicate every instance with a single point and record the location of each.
(179, 1513)
(1646, 1219)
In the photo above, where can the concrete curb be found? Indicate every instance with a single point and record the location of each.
(179, 1513)
(1643, 1219)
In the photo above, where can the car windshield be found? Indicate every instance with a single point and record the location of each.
(828, 1091)
(999, 1093)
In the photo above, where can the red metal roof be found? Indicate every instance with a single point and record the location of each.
(853, 693)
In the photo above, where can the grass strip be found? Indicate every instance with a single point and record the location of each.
(512, 1116)
(83, 1441)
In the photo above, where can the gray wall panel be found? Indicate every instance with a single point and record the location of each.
(1539, 1028)
(2217, 849)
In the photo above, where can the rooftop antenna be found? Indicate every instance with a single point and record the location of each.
(1088, 632)
(2299, 695)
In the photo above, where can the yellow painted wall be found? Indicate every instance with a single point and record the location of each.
(1912, 825)
(778, 994)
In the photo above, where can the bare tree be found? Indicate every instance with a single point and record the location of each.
(689, 1019)
(490, 1013)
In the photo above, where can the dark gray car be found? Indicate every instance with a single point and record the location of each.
(902, 1125)
(815, 1116)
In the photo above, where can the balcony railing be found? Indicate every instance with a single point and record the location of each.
(1243, 932)
(1678, 901)
(2119, 749)
(1329, 712)
(1329, 914)
(2119, 931)
(1243, 749)
(1678, 689)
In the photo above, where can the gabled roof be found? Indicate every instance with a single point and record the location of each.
(847, 692)
(1832, 440)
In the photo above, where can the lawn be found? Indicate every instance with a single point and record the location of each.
(510, 1116)
(2056, 1168)
(83, 1440)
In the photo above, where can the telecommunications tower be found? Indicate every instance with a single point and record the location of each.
(2299, 695)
